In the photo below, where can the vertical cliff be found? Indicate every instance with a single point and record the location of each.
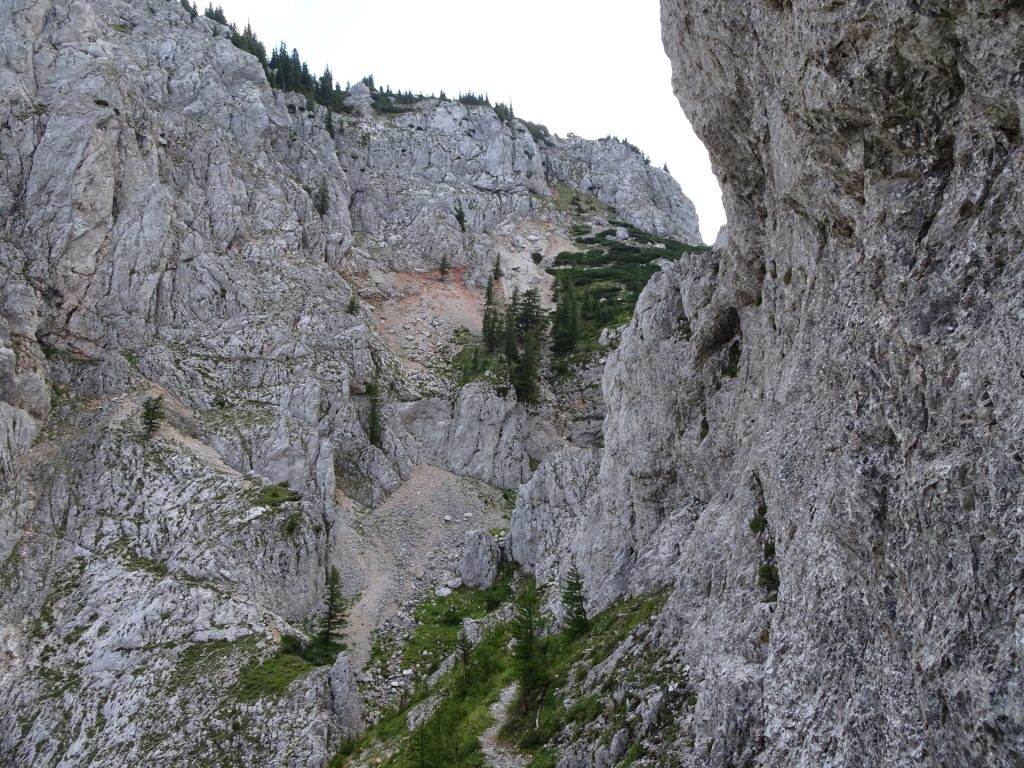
(171, 227)
(814, 435)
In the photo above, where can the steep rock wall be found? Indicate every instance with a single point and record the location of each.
(160, 236)
(814, 434)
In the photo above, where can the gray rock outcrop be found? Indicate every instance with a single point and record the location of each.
(482, 434)
(346, 703)
(617, 175)
(546, 534)
(480, 557)
(413, 175)
(813, 435)
(162, 233)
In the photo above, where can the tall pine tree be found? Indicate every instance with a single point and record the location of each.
(323, 197)
(576, 621)
(335, 611)
(490, 323)
(566, 331)
(529, 652)
(527, 373)
(375, 428)
(152, 415)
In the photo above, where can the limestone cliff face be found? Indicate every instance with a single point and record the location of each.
(159, 236)
(414, 174)
(619, 177)
(833, 397)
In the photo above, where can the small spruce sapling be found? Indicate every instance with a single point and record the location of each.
(335, 611)
(375, 429)
(323, 197)
(152, 415)
(576, 621)
(465, 652)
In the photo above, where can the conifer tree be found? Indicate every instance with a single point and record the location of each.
(323, 199)
(217, 14)
(495, 333)
(529, 315)
(511, 343)
(566, 331)
(335, 610)
(325, 86)
(528, 370)
(374, 430)
(514, 303)
(329, 123)
(444, 268)
(489, 293)
(497, 268)
(152, 415)
(576, 621)
(465, 651)
(491, 330)
(529, 650)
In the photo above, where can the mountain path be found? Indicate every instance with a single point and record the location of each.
(496, 754)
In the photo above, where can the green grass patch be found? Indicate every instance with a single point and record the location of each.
(57, 682)
(474, 363)
(275, 495)
(319, 652)
(606, 632)
(449, 736)
(732, 361)
(439, 619)
(271, 677)
(65, 581)
(199, 663)
(760, 520)
(291, 524)
(136, 562)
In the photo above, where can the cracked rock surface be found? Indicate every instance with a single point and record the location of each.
(813, 435)
(159, 238)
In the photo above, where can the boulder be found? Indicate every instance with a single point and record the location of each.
(480, 557)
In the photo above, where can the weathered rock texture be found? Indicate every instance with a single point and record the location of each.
(846, 372)
(413, 175)
(160, 236)
(480, 557)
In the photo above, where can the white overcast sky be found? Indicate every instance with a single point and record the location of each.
(589, 67)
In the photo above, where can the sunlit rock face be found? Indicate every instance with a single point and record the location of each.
(814, 434)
